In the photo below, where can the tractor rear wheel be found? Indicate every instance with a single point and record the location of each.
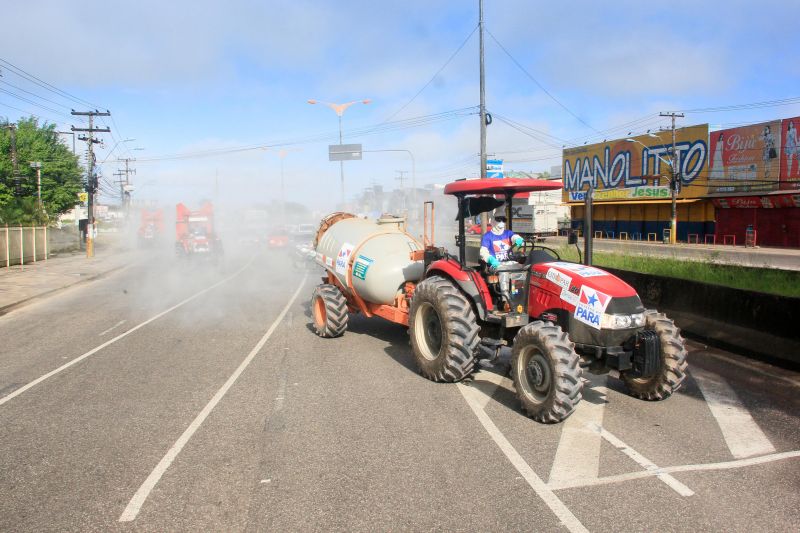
(546, 373)
(329, 309)
(672, 370)
(443, 330)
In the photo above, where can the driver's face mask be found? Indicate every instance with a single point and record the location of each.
(499, 226)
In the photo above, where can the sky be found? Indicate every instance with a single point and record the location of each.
(210, 92)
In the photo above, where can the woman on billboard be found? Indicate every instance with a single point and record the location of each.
(769, 153)
(792, 148)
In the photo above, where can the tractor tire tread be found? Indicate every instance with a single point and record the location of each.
(460, 338)
(673, 372)
(336, 314)
(567, 373)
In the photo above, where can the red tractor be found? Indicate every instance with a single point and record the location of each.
(194, 233)
(558, 317)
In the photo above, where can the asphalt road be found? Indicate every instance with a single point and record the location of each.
(172, 398)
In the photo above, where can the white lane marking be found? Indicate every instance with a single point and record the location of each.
(93, 351)
(727, 465)
(135, 504)
(748, 366)
(563, 513)
(578, 453)
(644, 462)
(484, 384)
(115, 326)
(741, 433)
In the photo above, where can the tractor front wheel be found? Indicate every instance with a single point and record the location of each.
(546, 373)
(329, 309)
(443, 330)
(672, 369)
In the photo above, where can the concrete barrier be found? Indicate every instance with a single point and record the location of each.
(751, 322)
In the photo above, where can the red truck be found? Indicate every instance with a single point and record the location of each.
(194, 232)
(151, 226)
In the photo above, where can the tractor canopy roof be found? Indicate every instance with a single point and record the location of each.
(504, 186)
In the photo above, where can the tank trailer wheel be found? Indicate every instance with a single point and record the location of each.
(443, 330)
(329, 309)
(546, 373)
(672, 371)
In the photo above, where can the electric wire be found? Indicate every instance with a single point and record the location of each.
(538, 84)
(452, 56)
(30, 77)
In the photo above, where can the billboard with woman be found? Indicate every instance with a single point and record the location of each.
(745, 158)
(790, 153)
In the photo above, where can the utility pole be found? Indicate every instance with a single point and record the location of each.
(673, 184)
(91, 179)
(126, 195)
(402, 180)
(484, 216)
(12, 129)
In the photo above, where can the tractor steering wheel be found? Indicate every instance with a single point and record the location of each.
(530, 245)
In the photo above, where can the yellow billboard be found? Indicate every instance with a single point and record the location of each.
(638, 168)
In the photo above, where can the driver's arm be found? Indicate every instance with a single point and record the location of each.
(516, 240)
(484, 252)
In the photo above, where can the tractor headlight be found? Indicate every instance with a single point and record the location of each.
(622, 321)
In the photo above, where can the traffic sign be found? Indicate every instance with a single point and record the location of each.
(344, 152)
(494, 168)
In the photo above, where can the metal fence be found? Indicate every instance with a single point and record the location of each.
(22, 245)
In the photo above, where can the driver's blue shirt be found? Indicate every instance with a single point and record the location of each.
(498, 245)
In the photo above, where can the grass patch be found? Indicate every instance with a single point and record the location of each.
(769, 280)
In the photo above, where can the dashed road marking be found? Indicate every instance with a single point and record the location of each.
(135, 504)
(115, 326)
(578, 453)
(563, 513)
(741, 433)
(643, 461)
(93, 351)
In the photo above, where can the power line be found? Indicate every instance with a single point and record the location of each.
(452, 56)
(752, 105)
(398, 125)
(30, 77)
(534, 80)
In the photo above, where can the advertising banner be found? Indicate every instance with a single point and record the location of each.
(745, 158)
(638, 168)
(790, 153)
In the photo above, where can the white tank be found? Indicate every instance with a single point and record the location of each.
(370, 256)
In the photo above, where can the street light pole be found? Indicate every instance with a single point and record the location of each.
(340, 109)
(38, 166)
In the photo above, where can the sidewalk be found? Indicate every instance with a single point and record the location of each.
(19, 284)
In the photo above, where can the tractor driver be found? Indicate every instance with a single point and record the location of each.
(497, 242)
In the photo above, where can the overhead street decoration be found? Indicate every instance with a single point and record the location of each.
(344, 152)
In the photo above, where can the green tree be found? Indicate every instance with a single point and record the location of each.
(61, 174)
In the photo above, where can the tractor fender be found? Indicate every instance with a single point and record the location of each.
(468, 281)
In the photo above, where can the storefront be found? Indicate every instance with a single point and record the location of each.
(775, 218)
(647, 219)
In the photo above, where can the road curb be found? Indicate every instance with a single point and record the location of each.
(22, 303)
